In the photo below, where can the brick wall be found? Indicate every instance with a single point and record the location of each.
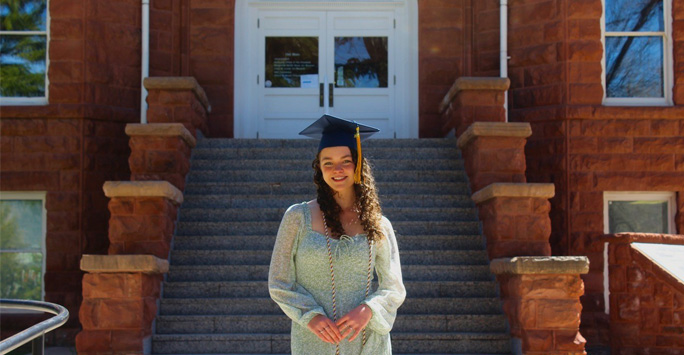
(211, 46)
(581, 146)
(70, 146)
(442, 56)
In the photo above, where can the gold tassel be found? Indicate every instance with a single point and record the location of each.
(359, 159)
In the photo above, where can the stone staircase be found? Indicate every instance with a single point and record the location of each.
(215, 296)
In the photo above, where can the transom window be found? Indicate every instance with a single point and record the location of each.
(23, 52)
(638, 52)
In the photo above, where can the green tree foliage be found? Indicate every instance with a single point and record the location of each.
(22, 57)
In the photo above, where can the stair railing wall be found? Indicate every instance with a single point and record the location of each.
(646, 301)
(121, 290)
(540, 292)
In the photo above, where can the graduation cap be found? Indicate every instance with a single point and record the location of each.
(335, 132)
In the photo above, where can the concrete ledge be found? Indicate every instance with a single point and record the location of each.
(494, 129)
(143, 189)
(523, 265)
(512, 189)
(473, 83)
(161, 130)
(178, 83)
(148, 264)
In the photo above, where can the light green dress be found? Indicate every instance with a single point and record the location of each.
(299, 281)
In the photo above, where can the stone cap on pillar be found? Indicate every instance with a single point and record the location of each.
(522, 265)
(473, 83)
(494, 129)
(513, 189)
(143, 189)
(146, 264)
(178, 83)
(161, 130)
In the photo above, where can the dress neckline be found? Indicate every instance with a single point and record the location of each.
(309, 225)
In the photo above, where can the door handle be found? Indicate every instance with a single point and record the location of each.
(321, 95)
(330, 94)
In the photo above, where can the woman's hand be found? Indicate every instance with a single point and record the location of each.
(354, 321)
(325, 329)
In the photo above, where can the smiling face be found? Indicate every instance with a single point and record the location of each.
(337, 166)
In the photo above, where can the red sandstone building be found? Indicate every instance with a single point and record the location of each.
(601, 83)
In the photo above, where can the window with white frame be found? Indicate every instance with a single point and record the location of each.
(641, 212)
(637, 60)
(22, 245)
(23, 52)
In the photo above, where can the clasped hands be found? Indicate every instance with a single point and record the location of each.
(333, 332)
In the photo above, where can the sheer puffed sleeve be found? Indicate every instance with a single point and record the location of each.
(293, 299)
(391, 292)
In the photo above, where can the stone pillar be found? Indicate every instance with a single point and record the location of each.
(494, 152)
(177, 100)
(515, 219)
(119, 303)
(473, 99)
(143, 216)
(160, 151)
(541, 300)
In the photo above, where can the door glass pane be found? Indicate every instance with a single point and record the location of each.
(637, 216)
(361, 62)
(21, 224)
(291, 62)
(634, 66)
(634, 15)
(21, 275)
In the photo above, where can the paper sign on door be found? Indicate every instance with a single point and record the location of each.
(308, 81)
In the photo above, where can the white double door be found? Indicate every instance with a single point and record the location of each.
(316, 62)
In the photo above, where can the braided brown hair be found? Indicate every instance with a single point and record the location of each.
(366, 201)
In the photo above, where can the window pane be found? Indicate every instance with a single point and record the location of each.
(288, 58)
(361, 62)
(22, 66)
(21, 224)
(634, 15)
(634, 66)
(637, 216)
(25, 15)
(21, 275)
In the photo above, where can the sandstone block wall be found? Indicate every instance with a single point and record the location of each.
(646, 301)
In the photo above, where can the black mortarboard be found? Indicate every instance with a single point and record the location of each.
(335, 132)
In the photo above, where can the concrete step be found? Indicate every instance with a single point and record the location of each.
(263, 257)
(284, 201)
(276, 214)
(263, 343)
(261, 228)
(380, 166)
(266, 242)
(280, 324)
(265, 306)
(310, 153)
(237, 289)
(306, 187)
(260, 273)
(251, 175)
(313, 144)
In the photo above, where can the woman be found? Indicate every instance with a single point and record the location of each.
(326, 249)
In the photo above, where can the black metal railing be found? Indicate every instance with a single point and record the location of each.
(36, 333)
